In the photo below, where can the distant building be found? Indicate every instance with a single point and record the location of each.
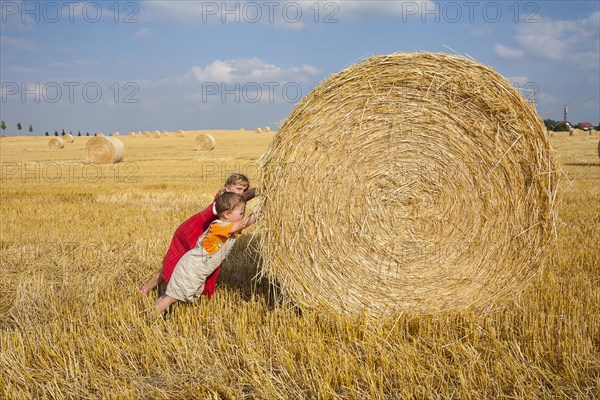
(586, 126)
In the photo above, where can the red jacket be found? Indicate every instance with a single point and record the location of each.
(185, 239)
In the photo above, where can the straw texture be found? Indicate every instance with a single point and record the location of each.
(56, 143)
(179, 133)
(102, 150)
(409, 182)
(205, 142)
(68, 138)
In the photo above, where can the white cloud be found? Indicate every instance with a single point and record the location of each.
(250, 70)
(574, 41)
(142, 33)
(19, 43)
(519, 80)
(286, 13)
(507, 52)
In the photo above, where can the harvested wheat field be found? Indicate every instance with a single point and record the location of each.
(73, 324)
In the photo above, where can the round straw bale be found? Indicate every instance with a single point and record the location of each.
(267, 129)
(146, 134)
(155, 134)
(179, 133)
(258, 130)
(116, 134)
(100, 134)
(410, 182)
(598, 149)
(164, 133)
(56, 143)
(205, 142)
(131, 134)
(101, 150)
(242, 129)
(68, 138)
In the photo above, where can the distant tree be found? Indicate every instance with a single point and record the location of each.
(47, 134)
(78, 133)
(561, 127)
(550, 124)
(87, 134)
(63, 133)
(55, 133)
(19, 126)
(596, 127)
(30, 128)
(3, 126)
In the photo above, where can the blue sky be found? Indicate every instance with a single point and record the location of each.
(105, 66)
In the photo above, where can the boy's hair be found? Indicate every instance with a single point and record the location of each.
(227, 202)
(237, 178)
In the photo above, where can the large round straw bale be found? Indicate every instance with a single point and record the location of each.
(204, 142)
(410, 182)
(68, 138)
(56, 143)
(179, 133)
(101, 150)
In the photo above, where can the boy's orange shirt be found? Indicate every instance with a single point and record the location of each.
(217, 234)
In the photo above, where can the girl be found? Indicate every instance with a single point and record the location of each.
(187, 235)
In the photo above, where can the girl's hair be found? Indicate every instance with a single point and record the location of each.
(237, 178)
(232, 180)
(227, 202)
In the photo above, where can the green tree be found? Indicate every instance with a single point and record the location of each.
(87, 134)
(550, 124)
(19, 126)
(55, 133)
(63, 133)
(30, 128)
(47, 134)
(78, 133)
(3, 126)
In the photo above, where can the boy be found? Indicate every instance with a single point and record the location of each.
(189, 276)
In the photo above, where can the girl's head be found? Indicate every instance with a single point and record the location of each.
(237, 183)
(230, 206)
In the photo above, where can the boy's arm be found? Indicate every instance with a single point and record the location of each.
(249, 194)
(244, 223)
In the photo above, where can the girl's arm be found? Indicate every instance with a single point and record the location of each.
(244, 223)
(249, 194)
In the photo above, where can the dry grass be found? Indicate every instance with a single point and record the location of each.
(72, 324)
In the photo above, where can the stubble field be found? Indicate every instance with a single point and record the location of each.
(77, 241)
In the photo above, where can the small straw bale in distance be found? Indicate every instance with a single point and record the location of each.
(116, 134)
(146, 134)
(131, 134)
(104, 150)
(155, 134)
(68, 138)
(258, 130)
(56, 143)
(412, 182)
(267, 129)
(100, 134)
(204, 142)
(179, 133)
(164, 133)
